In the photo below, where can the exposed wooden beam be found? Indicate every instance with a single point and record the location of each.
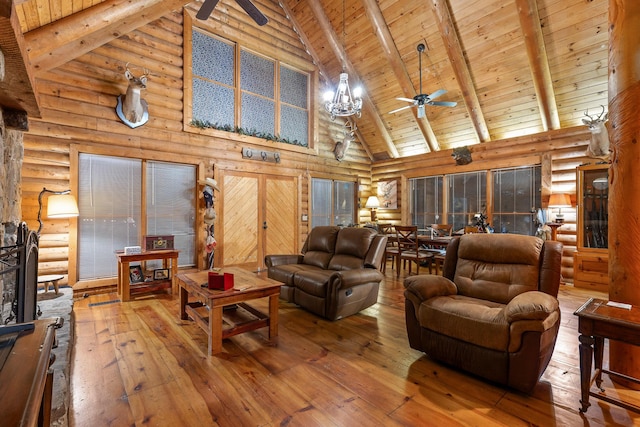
(322, 69)
(368, 108)
(61, 41)
(17, 89)
(449, 36)
(397, 65)
(538, 62)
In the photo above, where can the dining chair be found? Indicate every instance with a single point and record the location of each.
(439, 253)
(409, 248)
(391, 250)
(471, 229)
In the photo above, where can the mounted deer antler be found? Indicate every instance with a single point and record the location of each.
(599, 144)
(341, 147)
(131, 108)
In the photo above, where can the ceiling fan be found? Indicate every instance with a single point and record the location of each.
(208, 6)
(422, 99)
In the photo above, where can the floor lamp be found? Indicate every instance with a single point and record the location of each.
(61, 204)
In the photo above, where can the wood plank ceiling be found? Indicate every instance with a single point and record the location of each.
(515, 67)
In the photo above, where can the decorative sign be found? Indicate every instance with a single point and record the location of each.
(155, 243)
(388, 194)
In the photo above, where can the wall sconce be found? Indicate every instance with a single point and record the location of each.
(560, 200)
(61, 205)
(373, 203)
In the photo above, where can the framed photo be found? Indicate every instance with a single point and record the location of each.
(388, 194)
(135, 274)
(161, 274)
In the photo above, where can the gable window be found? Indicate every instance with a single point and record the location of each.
(122, 199)
(332, 202)
(236, 89)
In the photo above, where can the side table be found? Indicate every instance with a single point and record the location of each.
(597, 321)
(126, 289)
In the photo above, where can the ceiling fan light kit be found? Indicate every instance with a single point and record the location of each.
(422, 99)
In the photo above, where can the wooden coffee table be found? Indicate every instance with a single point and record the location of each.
(223, 314)
(597, 321)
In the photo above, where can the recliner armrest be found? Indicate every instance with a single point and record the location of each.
(347, 278)
(423, 287)
(532, 305)
(273, 260)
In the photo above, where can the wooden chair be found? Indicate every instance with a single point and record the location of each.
(391, 250)
(442, 230)
(471, 229)
(409, 247)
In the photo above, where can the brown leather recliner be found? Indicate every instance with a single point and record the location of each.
(336, 275)
(494, 312)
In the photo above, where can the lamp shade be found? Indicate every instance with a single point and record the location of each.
(62, 206)
(560, 200)
(372, 202)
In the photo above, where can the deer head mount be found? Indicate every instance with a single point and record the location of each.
(341, 147)
(599, 144)
(131, 108)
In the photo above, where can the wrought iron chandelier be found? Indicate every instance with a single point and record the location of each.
(342, 103)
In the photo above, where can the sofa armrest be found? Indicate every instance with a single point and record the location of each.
(421, 288)
(532, 305)
(348, 278)
(273, 260)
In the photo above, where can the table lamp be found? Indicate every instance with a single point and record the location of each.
(560, 200)
(373, 203)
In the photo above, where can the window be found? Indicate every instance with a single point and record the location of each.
(332, 202)
(112, 209)
(516, 196)
(467, 197)
(256, 95)
(425, 202)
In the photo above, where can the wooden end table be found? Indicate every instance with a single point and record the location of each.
(597, 321)
(207, 307)
(126, 289)
(50, 279)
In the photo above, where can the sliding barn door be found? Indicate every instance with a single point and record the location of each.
(259, 218)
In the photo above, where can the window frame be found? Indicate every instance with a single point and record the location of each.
(333, 211)
(260, 48)
(75, 152)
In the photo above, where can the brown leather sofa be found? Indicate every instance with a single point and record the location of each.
(336, 275)
(494, 312)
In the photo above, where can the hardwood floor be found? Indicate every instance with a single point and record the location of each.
(137, 363)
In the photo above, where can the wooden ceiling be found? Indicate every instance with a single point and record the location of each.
(515, 67)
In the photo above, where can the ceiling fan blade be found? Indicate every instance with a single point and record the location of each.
(443, 103)
(253, 11)
(400, 109)
(437, 93)
(405, 99)
(206, 9)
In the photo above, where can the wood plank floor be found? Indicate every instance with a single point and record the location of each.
(137, 363)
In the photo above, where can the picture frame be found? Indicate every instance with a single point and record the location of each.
(161, 274)
(136, 275)
(157, 243)
(388, 194)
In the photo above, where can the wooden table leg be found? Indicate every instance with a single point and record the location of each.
(273, 316)
(184, 298)
(174, 271)
(586, 356)
(598, 349)
(215, 329)
(125, 287)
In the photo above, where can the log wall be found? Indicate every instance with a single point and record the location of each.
(78, 113)
(558, 153)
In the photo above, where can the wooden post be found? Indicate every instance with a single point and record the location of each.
(624, 195)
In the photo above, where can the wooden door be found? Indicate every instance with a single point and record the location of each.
(259, 218)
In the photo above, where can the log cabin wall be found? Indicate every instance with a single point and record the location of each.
(558, 153)
(78, 100)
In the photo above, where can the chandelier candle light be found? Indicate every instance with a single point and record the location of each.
(342, 103)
